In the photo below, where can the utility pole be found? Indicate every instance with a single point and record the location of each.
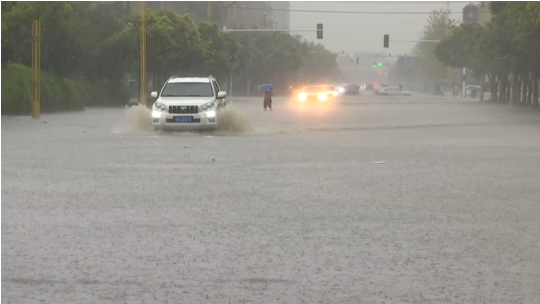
(483, 20)
(144, 83)
(209, 10)
(36, 68)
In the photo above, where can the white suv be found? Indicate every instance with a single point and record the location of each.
(188, 103)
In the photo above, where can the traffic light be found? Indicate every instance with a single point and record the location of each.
(319, 31)
(385, 74)
(386, 40)
(380, 64)
(380, 72)
(374, 65)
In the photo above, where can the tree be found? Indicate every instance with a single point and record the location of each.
(173, 45)
(221, 50)
(439, 26)
(318, 64)
(507, 45)
(99, 42)
(458, 49)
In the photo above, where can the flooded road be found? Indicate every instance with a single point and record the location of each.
(372, 200)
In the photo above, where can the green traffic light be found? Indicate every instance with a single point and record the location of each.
(380, 63)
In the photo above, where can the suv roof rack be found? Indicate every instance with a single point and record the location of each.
(176, 76)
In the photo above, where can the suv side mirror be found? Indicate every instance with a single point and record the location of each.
(153, 94)
(221, 95)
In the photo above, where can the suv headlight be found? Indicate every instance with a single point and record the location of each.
(207, 107)
(158, 106)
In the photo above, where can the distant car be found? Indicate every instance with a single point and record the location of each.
(472, 90)
(368, 86)
(378, 87)
(392, 91)
(349, 89)
(188, 103)
(321, 93)
(472, 87)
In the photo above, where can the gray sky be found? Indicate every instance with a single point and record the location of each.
(364, 33)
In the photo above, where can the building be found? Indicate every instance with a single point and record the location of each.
(249, 14)
(485, 14)
(471, 13)
(477, 12)
(281, 14)
(258, 14)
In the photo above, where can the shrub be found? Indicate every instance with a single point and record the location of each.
(57, 94)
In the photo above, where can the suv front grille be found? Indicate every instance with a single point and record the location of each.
(183, 109)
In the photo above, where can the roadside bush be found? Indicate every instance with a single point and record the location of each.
(57, 94)
(16, 90)
(110, 94)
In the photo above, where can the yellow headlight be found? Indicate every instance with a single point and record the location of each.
(322, 96)
(302, 96)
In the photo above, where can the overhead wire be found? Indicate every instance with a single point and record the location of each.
(339, 12)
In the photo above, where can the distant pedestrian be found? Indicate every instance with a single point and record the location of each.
(268, 100)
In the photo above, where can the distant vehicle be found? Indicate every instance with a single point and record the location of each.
(321, 93)
(378, 87)
(472, 87)
(188, 103)
(349, 89)
(391, 91)
(368, 86)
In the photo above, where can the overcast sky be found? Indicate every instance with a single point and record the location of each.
(364, 33)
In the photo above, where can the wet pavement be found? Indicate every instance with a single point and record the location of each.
(372, 200)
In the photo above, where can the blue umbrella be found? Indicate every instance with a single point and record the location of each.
(265, 87)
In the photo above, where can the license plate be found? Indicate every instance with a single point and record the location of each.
(183, 119)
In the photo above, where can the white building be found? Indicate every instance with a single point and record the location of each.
(280, 14)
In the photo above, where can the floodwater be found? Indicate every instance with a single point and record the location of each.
(371, 200)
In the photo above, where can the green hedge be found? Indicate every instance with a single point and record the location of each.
(57, 94)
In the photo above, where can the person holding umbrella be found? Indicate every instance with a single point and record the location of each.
(267, 89)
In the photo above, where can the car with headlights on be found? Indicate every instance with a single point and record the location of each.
(188, 103)
(321, 94)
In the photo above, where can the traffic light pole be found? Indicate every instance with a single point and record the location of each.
(403, 40)
(386, 41)
(225, 29)
(318, 30)
(398, 56)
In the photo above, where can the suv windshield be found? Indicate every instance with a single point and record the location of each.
(187, 89)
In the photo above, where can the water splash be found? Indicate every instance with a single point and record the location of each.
(232, 120)
(138, 119)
